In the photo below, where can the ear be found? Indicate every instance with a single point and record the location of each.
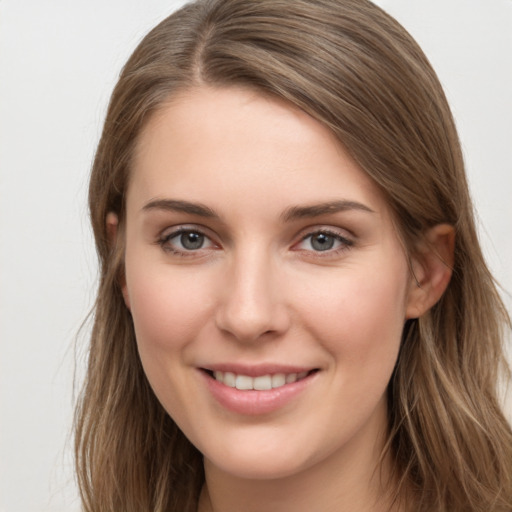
(431, 267)
(112, 225)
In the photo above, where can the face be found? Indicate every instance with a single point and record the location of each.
(266, 281)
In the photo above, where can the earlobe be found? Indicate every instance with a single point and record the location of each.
(432, 267)
(112, 225)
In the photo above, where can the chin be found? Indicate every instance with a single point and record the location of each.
(257, 467)
(263, 456)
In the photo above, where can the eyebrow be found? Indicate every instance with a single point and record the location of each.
(290, 214)
(316, 210)
(175, 205)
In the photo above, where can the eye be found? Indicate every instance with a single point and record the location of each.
(323, 241)
(191, 241)
(185, 240)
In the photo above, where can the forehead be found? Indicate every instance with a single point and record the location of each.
(207, 143)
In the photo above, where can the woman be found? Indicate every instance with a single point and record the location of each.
(294, 311)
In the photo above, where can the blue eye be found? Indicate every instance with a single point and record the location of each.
(323, 241)
(191, 241)
(185, 240)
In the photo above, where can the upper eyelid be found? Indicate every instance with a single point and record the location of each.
(337, 236)
(167, 234)
(164, 242)
(346, 241)
(331, 230)
(169, 231)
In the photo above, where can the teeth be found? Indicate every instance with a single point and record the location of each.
(261, 383)
(229, 379)
(278, 380)
(243, 382)
(290, 378)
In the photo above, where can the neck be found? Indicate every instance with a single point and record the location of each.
(353, 479)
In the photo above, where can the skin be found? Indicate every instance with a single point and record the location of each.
(258, 291)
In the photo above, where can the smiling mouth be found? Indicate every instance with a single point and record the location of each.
(260, 383)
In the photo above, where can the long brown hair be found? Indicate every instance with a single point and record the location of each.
(356, 70)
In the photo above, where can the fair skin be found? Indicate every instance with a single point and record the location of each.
(258, 254)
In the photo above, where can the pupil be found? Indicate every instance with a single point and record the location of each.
(192, 241)
(322, 242)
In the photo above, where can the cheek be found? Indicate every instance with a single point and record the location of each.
(168, 307)
(359, 320)
(169, 310)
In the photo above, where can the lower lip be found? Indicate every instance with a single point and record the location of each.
(253, 402)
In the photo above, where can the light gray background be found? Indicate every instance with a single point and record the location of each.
(58, 63)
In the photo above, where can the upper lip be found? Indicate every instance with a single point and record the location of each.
(258, 369)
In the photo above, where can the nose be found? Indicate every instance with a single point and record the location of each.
(251, 305)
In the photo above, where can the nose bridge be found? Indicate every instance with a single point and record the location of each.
(252, 303)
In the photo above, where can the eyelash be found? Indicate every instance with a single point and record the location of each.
(164, 240)
(345, 243)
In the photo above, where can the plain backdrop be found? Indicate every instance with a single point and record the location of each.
(58, 63)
